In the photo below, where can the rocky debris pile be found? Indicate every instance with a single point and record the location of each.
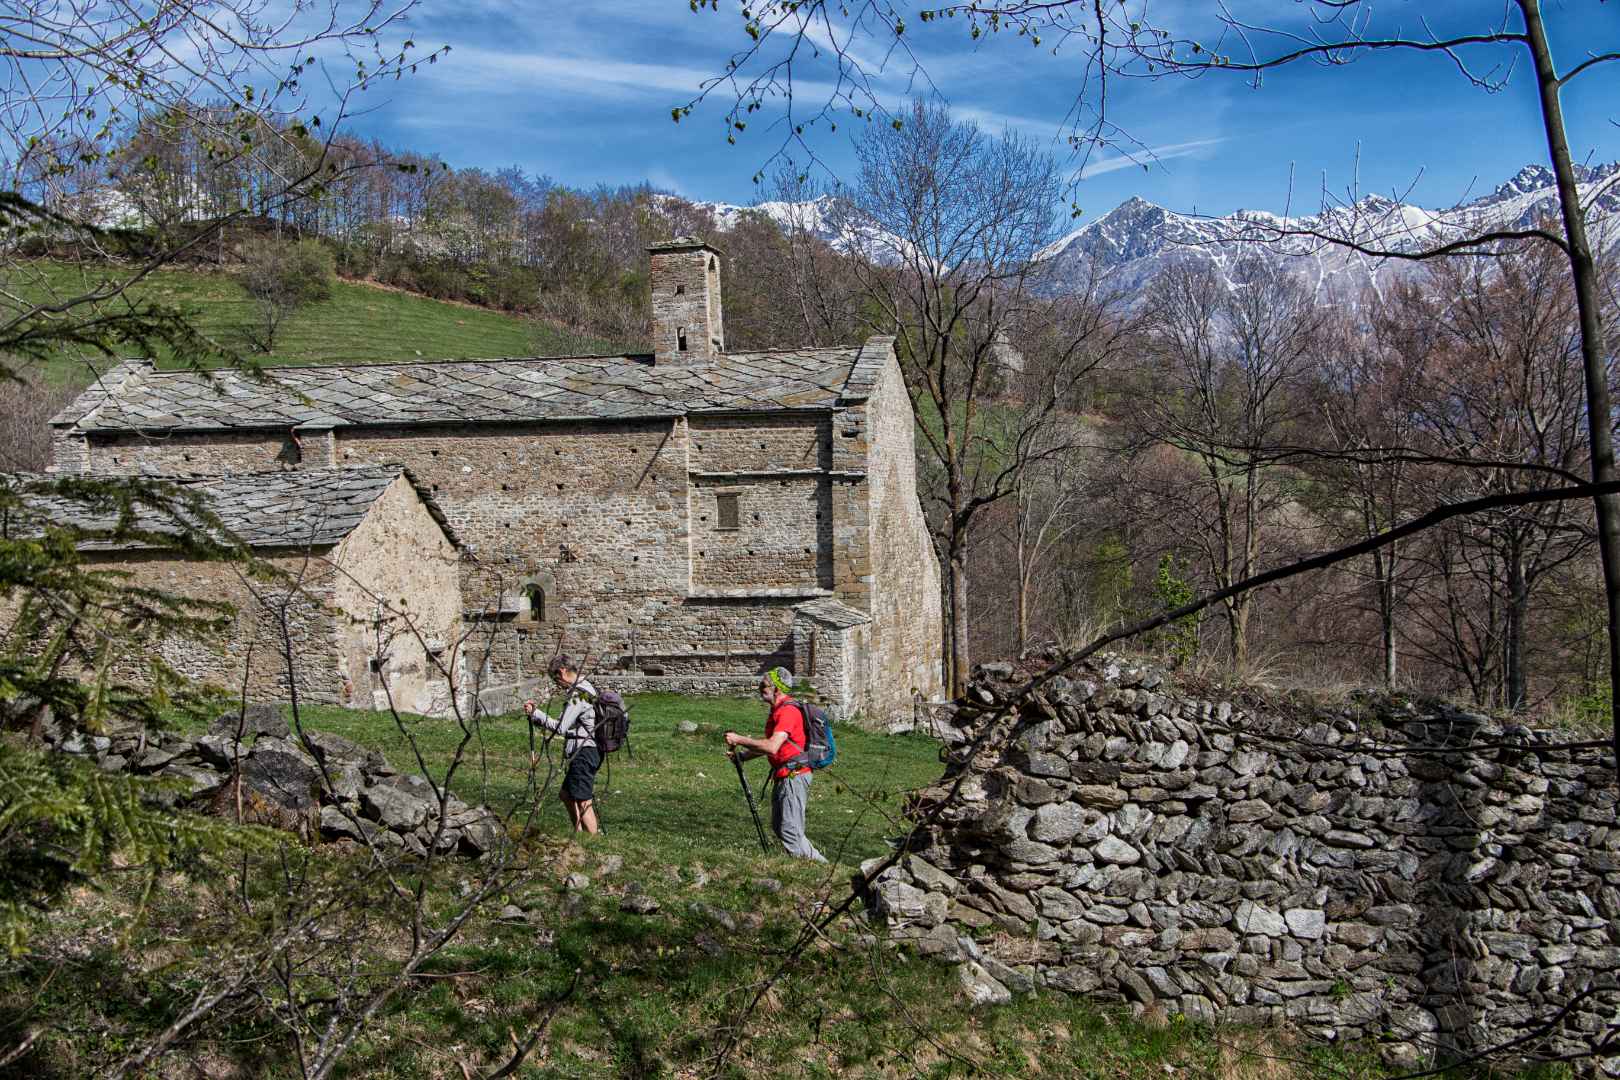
(320, 784)
(1400, 871)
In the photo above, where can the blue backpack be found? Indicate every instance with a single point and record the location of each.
(821, 749)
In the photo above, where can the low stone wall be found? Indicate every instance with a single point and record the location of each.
(1409, 873)
(319, 785)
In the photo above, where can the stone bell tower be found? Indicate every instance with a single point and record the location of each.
(687, 324)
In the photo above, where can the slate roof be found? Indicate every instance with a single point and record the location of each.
(136, 397)
(832, 613)
(294, 508)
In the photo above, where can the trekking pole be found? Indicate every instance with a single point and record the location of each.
(748, 794)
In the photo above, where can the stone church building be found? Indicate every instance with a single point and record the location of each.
(681, 520)
(345, 545)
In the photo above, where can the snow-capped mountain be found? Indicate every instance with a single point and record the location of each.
(821, 217)
(1136, 239)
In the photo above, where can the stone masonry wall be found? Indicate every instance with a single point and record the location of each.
(732, 444)
(399, 591)
(907, 624)
(685, 283)
(774, 469)
(1406, 873)
(202, 452)
(777, 543)
(250, 648)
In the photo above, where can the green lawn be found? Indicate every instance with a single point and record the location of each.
(670, 796)
(361, 324)
(658, 995)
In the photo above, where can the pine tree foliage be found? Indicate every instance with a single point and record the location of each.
(61, 618)
(65, 823)
(72, 635)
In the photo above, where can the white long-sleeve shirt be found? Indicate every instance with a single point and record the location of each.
(577, 724)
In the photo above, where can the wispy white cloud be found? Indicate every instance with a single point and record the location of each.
(661, 178)
(1149, 156)
(994, 121)
(842, 41)
(485, 68)
(498, 70)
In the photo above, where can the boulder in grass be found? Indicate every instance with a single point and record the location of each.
(442, 843)
(394, 808)
(639, 904)
(332, 750)
(1014, 980)
(413, 784)
(254, 720)
(155, 758)
(343, 783)
(335, 824)
(219, 751)
(481, 831)
(281, 772)
(981, 987)
(191, 779)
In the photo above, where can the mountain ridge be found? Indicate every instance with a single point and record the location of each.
(1138, 238)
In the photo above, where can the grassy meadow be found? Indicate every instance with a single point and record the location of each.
(360, 324)
(670, 796)
(658, 995)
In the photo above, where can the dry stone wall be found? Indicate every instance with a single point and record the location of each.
(313, 782)
(1396, 871)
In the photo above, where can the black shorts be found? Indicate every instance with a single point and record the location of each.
(580, 782)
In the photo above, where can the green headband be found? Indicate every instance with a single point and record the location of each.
(776, 681)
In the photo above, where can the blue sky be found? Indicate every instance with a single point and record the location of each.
(582, 93)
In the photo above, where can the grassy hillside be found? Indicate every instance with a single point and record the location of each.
(659, 994)
(361, 323)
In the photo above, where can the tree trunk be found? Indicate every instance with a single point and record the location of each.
(1384, 582)
(956, 667)
(1518, 603)
(1598, 409)
(1386, 616)
(1239, 625)
(1023, 592)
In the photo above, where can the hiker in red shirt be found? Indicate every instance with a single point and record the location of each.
(783, 744)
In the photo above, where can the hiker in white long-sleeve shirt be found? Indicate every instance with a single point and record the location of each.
(577, 726)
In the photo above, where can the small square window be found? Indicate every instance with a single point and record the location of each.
(726, 505)
(680, 290)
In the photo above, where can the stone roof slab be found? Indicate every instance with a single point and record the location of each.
(295, 508)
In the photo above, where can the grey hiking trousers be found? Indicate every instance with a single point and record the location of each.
(789, 797)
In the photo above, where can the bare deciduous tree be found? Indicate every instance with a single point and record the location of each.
(1109, 43)
(1226, 389)
(281, 278)
(1501, 388)
(81, 78)
(950, 221)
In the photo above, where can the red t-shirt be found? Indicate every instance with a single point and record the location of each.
(785, 716)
